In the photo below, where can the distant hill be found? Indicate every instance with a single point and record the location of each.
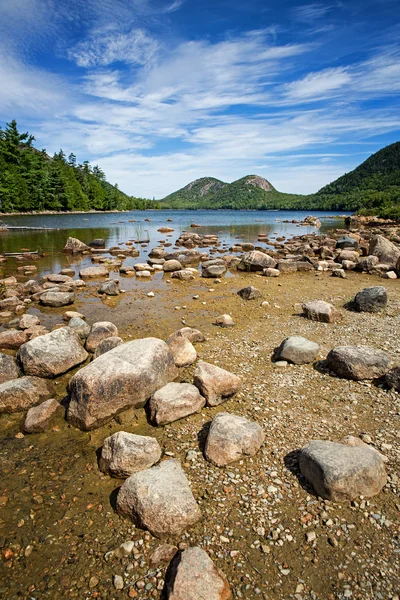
(371, 188)
(250, 192)
(31, 180)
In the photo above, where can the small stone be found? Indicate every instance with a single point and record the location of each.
(249, 293)
(118, 582)
(126, 453)
(93, 581)
(231, 438)
(174, 401)
(224, 321)
(311, 536)
(164, 553)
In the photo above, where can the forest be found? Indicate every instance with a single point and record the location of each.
(32, 181)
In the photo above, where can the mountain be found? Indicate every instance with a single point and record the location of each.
(371, 188)
(250, 192)
(31, 180)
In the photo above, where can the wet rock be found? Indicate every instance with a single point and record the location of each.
(172, 265)
(12, 339)
(110, 287)
(214, 383)
(69, 272)
(371, 299)
(98, 243)
(27, 321)
(347, 242)
(341, 472)
(213, 270)
(183, 351)
(123, 378)
(385, 250)
(164, 553)
(224, 321)
(358, 362)
(192, 575)
(75, 246)
(93, 272)
(393, 378)
(270, 272)
(57, 299)
(126, 453)
(81, 328)
(40, 418)
(319, 310)
(249, 293)
(57, 278)
(193, 335)
(174, 401)
(144, 273)
(22, 393)
(297, 350)
(143, 267)
(71, 314)
(231, 438)
(8, 368)
(256, 261)
(184, 275)
(107, 345)
(99, 332)
(52, 354)
(159, 499)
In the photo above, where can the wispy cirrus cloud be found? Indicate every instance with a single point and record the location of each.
(308, 13)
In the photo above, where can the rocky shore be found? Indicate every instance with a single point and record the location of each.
(250, 409)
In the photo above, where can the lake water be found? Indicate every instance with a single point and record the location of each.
(117, 228)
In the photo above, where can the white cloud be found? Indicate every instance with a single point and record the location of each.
(318, 85)
(310, 12)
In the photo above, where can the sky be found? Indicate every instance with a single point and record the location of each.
(161, 92)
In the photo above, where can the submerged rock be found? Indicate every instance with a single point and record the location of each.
(126, 453)
(192, 575)
(22, 393)
(214, 383)
(93, 272)
(57, 299)
(231, 438)
(341, 472)
(110, 288)
(123, 378)
(40, 418)
(51, 354)
(358, 362)
(174, 401)
(159, 499)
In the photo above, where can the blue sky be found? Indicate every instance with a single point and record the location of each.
(161, 92)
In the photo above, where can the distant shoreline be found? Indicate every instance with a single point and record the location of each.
(104, 212)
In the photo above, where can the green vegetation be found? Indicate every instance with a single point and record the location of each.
(32, 181)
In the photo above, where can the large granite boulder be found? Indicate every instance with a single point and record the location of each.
(52, 354)
(192, 575)
(22, 393)
(159, 499)
(174, 401)
(358, 362)
(371, 299)
(341, 472)
(122, 378)
(126, 453)
(256, 261)
(232, 438)
(75, 246)
(56, 299)
(385, 250)
(214, 383)
(100, 331)
(8, 368)
(297, 350)
(319, 310)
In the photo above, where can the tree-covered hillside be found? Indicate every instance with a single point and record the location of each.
(250, 192)
(30, 180)
(372, 188)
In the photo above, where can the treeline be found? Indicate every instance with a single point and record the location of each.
(31, 180)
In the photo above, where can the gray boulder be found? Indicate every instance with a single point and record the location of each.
(107, 345)
(385, 250)
(224, 321)
(22, 393)
(371, 299)
(110, 287)
(319, 310)
(340, 472)
(393, 378)
(183, 275)
(297, 350)
(214, 270)
(159, 499)
(347, 242)
(214, 383)
(367, 263)
(256, 261)
(56, 299)
(81, 328)
(174, 401)
(231, 438)
(51, 354)
(123, 378)
(100, 331)
(8, 368)
(192, 575)
(40, 418)
(358, 362)
(249, 293)
(172, 265)
(126, 453)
